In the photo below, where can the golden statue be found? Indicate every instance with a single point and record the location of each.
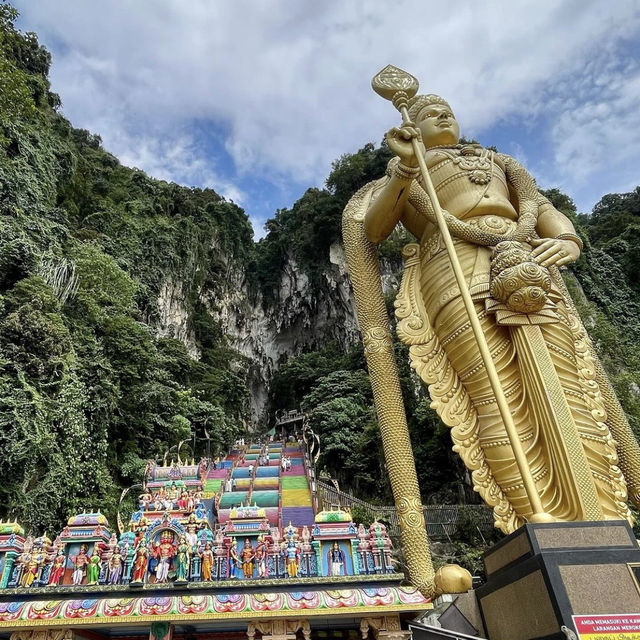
(491, 328)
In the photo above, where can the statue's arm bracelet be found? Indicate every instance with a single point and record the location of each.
(406, 173)
(571, 236)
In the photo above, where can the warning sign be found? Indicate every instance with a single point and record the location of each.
(608, 627)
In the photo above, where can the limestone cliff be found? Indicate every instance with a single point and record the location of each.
(303, 315)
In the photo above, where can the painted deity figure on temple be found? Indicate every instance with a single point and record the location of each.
(94, 566)
(22, 562)
(141, 562)
(112, 544)
(40, 556)
(183, 558)
(31, 567)
(172, 493)
(141, 527)
(186, 499)
(336, 560)
(275, 536)
(234, 559)
(57, 569)
(191, 528)
(206, 561)
(292, 557)
(114, 567)
(144, 500)
(508, 242)
(218, 539)
(261, 557)
(29, 570)
(164, 552)
(80, 563)
(291, 532)
(247, 555)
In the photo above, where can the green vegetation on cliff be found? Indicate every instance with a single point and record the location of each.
(313, 224)
(87, 389)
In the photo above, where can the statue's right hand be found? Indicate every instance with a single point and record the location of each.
(399, 140)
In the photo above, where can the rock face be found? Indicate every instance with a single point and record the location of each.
(173, 318)
(305, 317)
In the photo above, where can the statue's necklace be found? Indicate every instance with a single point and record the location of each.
(474, 159)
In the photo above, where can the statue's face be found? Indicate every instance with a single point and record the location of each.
(438, 125)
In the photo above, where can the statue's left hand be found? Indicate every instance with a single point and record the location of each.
(550, 251)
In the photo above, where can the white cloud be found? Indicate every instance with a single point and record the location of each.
(596, 129)
(289, 82)
(604, 126)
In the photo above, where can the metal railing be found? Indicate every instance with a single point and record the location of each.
(441, 520)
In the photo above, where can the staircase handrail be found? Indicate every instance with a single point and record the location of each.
(308, 470)
(441, 520)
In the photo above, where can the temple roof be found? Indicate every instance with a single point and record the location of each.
(83, 519)
(333, 515)
(346, 595)
(7, 528)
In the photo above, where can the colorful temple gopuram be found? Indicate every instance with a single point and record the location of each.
(236, 548)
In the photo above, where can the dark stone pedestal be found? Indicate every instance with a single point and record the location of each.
(542, 574)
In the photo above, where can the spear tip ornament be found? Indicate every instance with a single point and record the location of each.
(391, 80)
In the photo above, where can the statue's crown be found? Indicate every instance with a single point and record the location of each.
(417, 103)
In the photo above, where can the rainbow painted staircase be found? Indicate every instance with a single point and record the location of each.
(297, 501)
(285, 496)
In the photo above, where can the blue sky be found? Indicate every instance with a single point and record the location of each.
(256, 98)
